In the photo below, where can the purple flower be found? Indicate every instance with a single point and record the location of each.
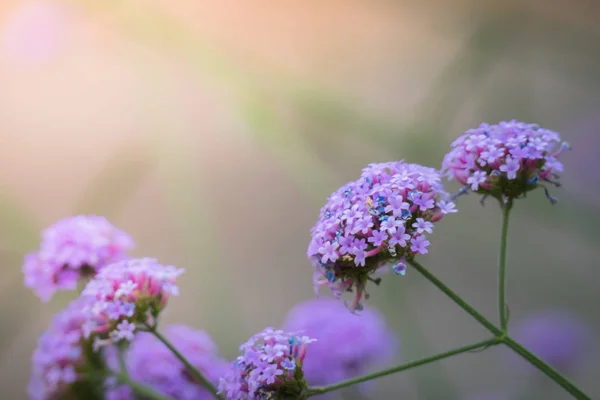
(505, 160)
(511, 167)
(72, 249)
(115, 302)
(329, 252)
(400, 237)
(476, 179)
(447, 207)
(423, 226)
(59, 355)
(348, 345)
(390, 224)
(419, 244)
(369, 223)
(151, 363)
(282, 355)
(378, 238)
(556, 336)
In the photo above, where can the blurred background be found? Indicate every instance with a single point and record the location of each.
(213, 131)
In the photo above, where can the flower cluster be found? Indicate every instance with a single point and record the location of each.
(347, 345)
(127, 293)
(151, 363)
(380, 219)
(59, 359)
(506, 160)
(270, 367)
(71, 249)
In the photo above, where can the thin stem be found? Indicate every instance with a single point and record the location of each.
(196, 374)
(329, 388)
(501, 336)
(502, 268)
(545, 368)
(142, 391)
(457, 299)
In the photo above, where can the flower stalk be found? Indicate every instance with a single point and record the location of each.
(502, 267)
(194, 372)
(402, 367)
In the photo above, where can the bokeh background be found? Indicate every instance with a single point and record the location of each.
(212, 131)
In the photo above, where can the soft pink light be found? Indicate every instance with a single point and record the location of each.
(35, 32)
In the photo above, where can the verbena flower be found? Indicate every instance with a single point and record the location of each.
(347, 345)
(506, 160)
(60, 360)
(73, 248)
(556, 336)
(270, 367)
(125, 294)
(151, 363)
(381, 219)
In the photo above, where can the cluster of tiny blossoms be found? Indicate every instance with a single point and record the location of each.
(73, 248)
(381, 219)
(151, 363)
(127, 293)
(270, 367)
(59, 357)
(506, 160)
(347, 345)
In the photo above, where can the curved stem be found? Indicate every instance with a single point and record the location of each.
(196, 374)
(545, 368)
(324, 389)
(457, 299)
(142, 391)
(502, 268)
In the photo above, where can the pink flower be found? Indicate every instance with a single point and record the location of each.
(72, 249)
(127, 293)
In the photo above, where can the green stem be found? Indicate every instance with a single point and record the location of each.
(502, 337)
(142, 391)
(457, 299)
(545, 368)
(196, 374)
(329, 388)
(502, 268)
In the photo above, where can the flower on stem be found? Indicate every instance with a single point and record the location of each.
(60, 360)
(506, 160)
(377, 221)
(347, 345)
(127, 293)
(270, 367)
(151, 363)
(73, 248)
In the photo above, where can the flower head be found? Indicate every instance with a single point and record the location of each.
(127, 293)
(71, 249)
(151, 363)
(380, 219)
(270, 367)
(556, 336)
(60, 357)
(347, 345)
(506, 160)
